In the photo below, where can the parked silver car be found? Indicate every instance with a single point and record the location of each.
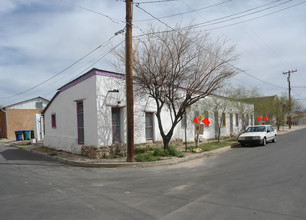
(258, 134)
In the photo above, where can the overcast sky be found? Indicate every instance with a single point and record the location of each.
(46, 44)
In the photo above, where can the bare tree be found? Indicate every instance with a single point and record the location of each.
(217, 104)
(177, 69)
(241, 95)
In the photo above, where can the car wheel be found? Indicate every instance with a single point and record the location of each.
(274, 140)
(264, 142)
(243, 145)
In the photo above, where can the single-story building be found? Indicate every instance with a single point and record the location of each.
(19, 116)
(91, 111)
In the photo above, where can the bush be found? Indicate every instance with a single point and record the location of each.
(147, 157)
(170, 152)
(146, 154)
(173, 152)
(159, 152)
(142, 150)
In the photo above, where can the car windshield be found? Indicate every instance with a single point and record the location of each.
(256, 129)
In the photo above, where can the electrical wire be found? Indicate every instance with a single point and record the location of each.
(60, 72)
(213, 22)
(187, 12)
(90, 10)
(229, 17)
(237, 68)
(271, 13)
(158, 1)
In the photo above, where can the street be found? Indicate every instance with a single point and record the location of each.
(243, 183)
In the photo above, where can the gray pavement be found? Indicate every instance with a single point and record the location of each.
(81, 161)
(243, 183)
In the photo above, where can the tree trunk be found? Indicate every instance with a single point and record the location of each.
(219, 134)
(166, 142)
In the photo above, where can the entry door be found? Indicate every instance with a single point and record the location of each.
(116, 125)
(149, 126)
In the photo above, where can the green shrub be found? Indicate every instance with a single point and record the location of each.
(159, 152)
(142, 150)
(147, 157)
(172, 151)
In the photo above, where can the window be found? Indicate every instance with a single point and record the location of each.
(38, 105)
(53, 120)
(149, 126)
(80, 118)
(116, 126)
(237, 121)
(223, 119)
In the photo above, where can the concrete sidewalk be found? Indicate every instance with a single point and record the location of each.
(77, 160)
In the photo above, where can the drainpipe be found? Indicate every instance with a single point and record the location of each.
(5, 121)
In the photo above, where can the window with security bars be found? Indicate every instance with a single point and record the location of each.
(80, 118)
(53, 120)
(149, 126)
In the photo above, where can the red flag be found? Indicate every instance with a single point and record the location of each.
(266, 118)
(206, 122)
(258, 119)
(195, 120)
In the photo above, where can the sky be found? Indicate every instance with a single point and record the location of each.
(46, 44)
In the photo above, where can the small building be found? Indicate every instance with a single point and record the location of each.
(91, 111)
(19, 116)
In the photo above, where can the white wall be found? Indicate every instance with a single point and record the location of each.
(31, 104)
(65, 135)
(97, 93)
(107, 100)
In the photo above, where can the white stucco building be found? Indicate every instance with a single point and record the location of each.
(91, 111)
(34, 103)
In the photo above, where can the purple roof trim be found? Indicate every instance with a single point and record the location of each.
(85, 76)
(89, 74)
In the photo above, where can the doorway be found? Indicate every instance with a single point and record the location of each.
(116, 126)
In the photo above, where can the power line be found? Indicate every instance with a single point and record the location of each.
(283, 9)
(210, 22)
(228, 18)
(187, 12)
(176, 30)
(299, 87)
(150, 2)
(60, 72)
(90, 10)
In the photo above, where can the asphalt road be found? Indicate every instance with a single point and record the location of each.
(243, 183)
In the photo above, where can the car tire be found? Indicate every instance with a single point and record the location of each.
(274, 139)
(264, 142)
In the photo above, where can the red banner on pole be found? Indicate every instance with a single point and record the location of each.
(266, 118)
(206, 122)
(195, 120)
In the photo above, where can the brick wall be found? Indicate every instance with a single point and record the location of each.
(20, 119)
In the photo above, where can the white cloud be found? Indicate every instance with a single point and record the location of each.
(41, 38)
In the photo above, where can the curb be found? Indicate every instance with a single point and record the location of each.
(166, 162)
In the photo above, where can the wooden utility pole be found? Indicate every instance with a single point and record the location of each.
(129, 82)
(288, 73)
